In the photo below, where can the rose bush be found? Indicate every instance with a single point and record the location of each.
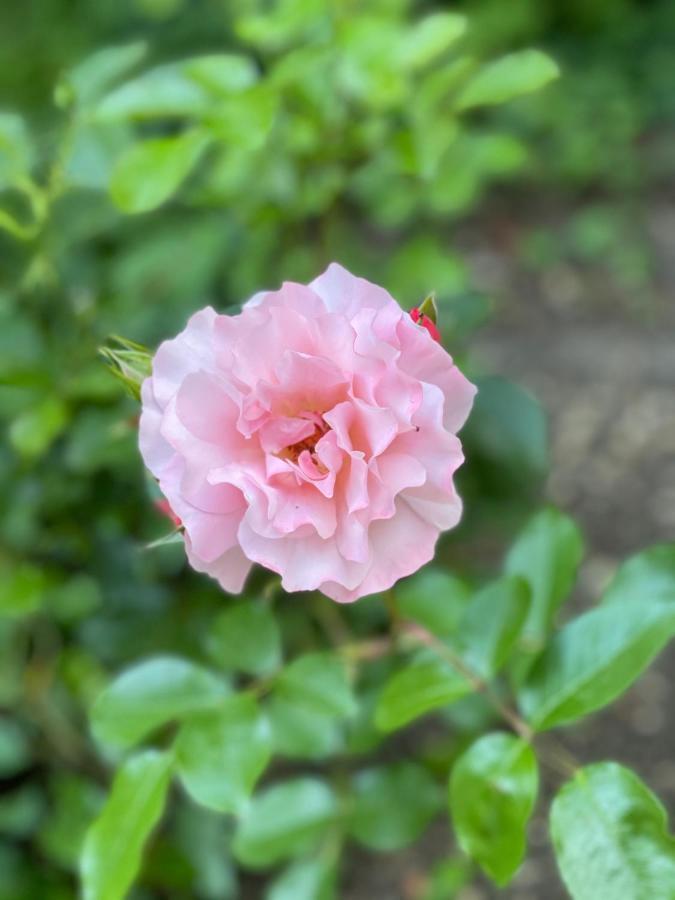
(315, 433)
(252, 738)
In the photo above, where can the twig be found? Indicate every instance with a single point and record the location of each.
(478, 683)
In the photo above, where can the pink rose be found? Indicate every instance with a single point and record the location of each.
(313, 433)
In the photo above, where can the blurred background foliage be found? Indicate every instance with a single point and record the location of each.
(156, 155)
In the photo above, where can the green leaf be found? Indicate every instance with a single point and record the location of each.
(33, 432)
(546, 554)
(507, 428)
(158, 93)
(151, 694)
(22, 589)
(222, 753)
(89, 80)
(15, 749)
(285, 820)
(73, 803)
(222, 73)
(648, 576)
(493, 789)
(307, 879)
(423, 263)
(447, 878)
(429, 37)
(425, 684)
(112, 850)
(16, 149)
(246, 638)
(204, 837)
(434, 599)
(149, 172)
(610, 837)
(308, 699)
(300, 732)
(90, 160)
(21, 810)
(179, 89)
(75, 598)
(392, 805)
(492, 623)
(319, 682)
(593, 659)
(511, 76)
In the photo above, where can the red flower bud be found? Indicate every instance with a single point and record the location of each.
(424, 320)
(164, 507)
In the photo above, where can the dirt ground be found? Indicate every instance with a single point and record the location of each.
(601, 359)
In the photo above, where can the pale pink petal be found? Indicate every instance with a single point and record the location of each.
(426, 360)
(291, 296)
(191, 351)
(304, 560)
(359, 426)
(279, 432)
(346, 294)
(155, 449)
(399, 547)
(212, 526)
(229, 570)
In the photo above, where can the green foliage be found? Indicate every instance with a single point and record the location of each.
(492, 623)
(216, 156)
(184, 89)
(610, 836)
(318, 681)
(594, 658)
(16, 151)
(33, 431)
(284, 821)
(389, 89)
(507, 434)
(435, 599)
(246, 638)
(311, 879)
(23, 589)
(221, 755)
(508, 77)
(493, 789)
(14, 748)
(647, 576)
(546, 555)
(425, 684)
(111, 856)
(392, 805)
(152, 170)
(151, 694)
(447, 879)
(310, 698)
(128, 361)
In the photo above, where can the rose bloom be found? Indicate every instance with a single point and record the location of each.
(314, 433)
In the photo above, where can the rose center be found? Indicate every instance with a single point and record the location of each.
(294, 451)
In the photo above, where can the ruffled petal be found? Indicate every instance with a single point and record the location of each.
(192, 350)
(399, 546)
(347, 294)
(230, 570)
(304, 560)
(426, 360)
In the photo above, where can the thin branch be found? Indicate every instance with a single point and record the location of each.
(478, 683)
